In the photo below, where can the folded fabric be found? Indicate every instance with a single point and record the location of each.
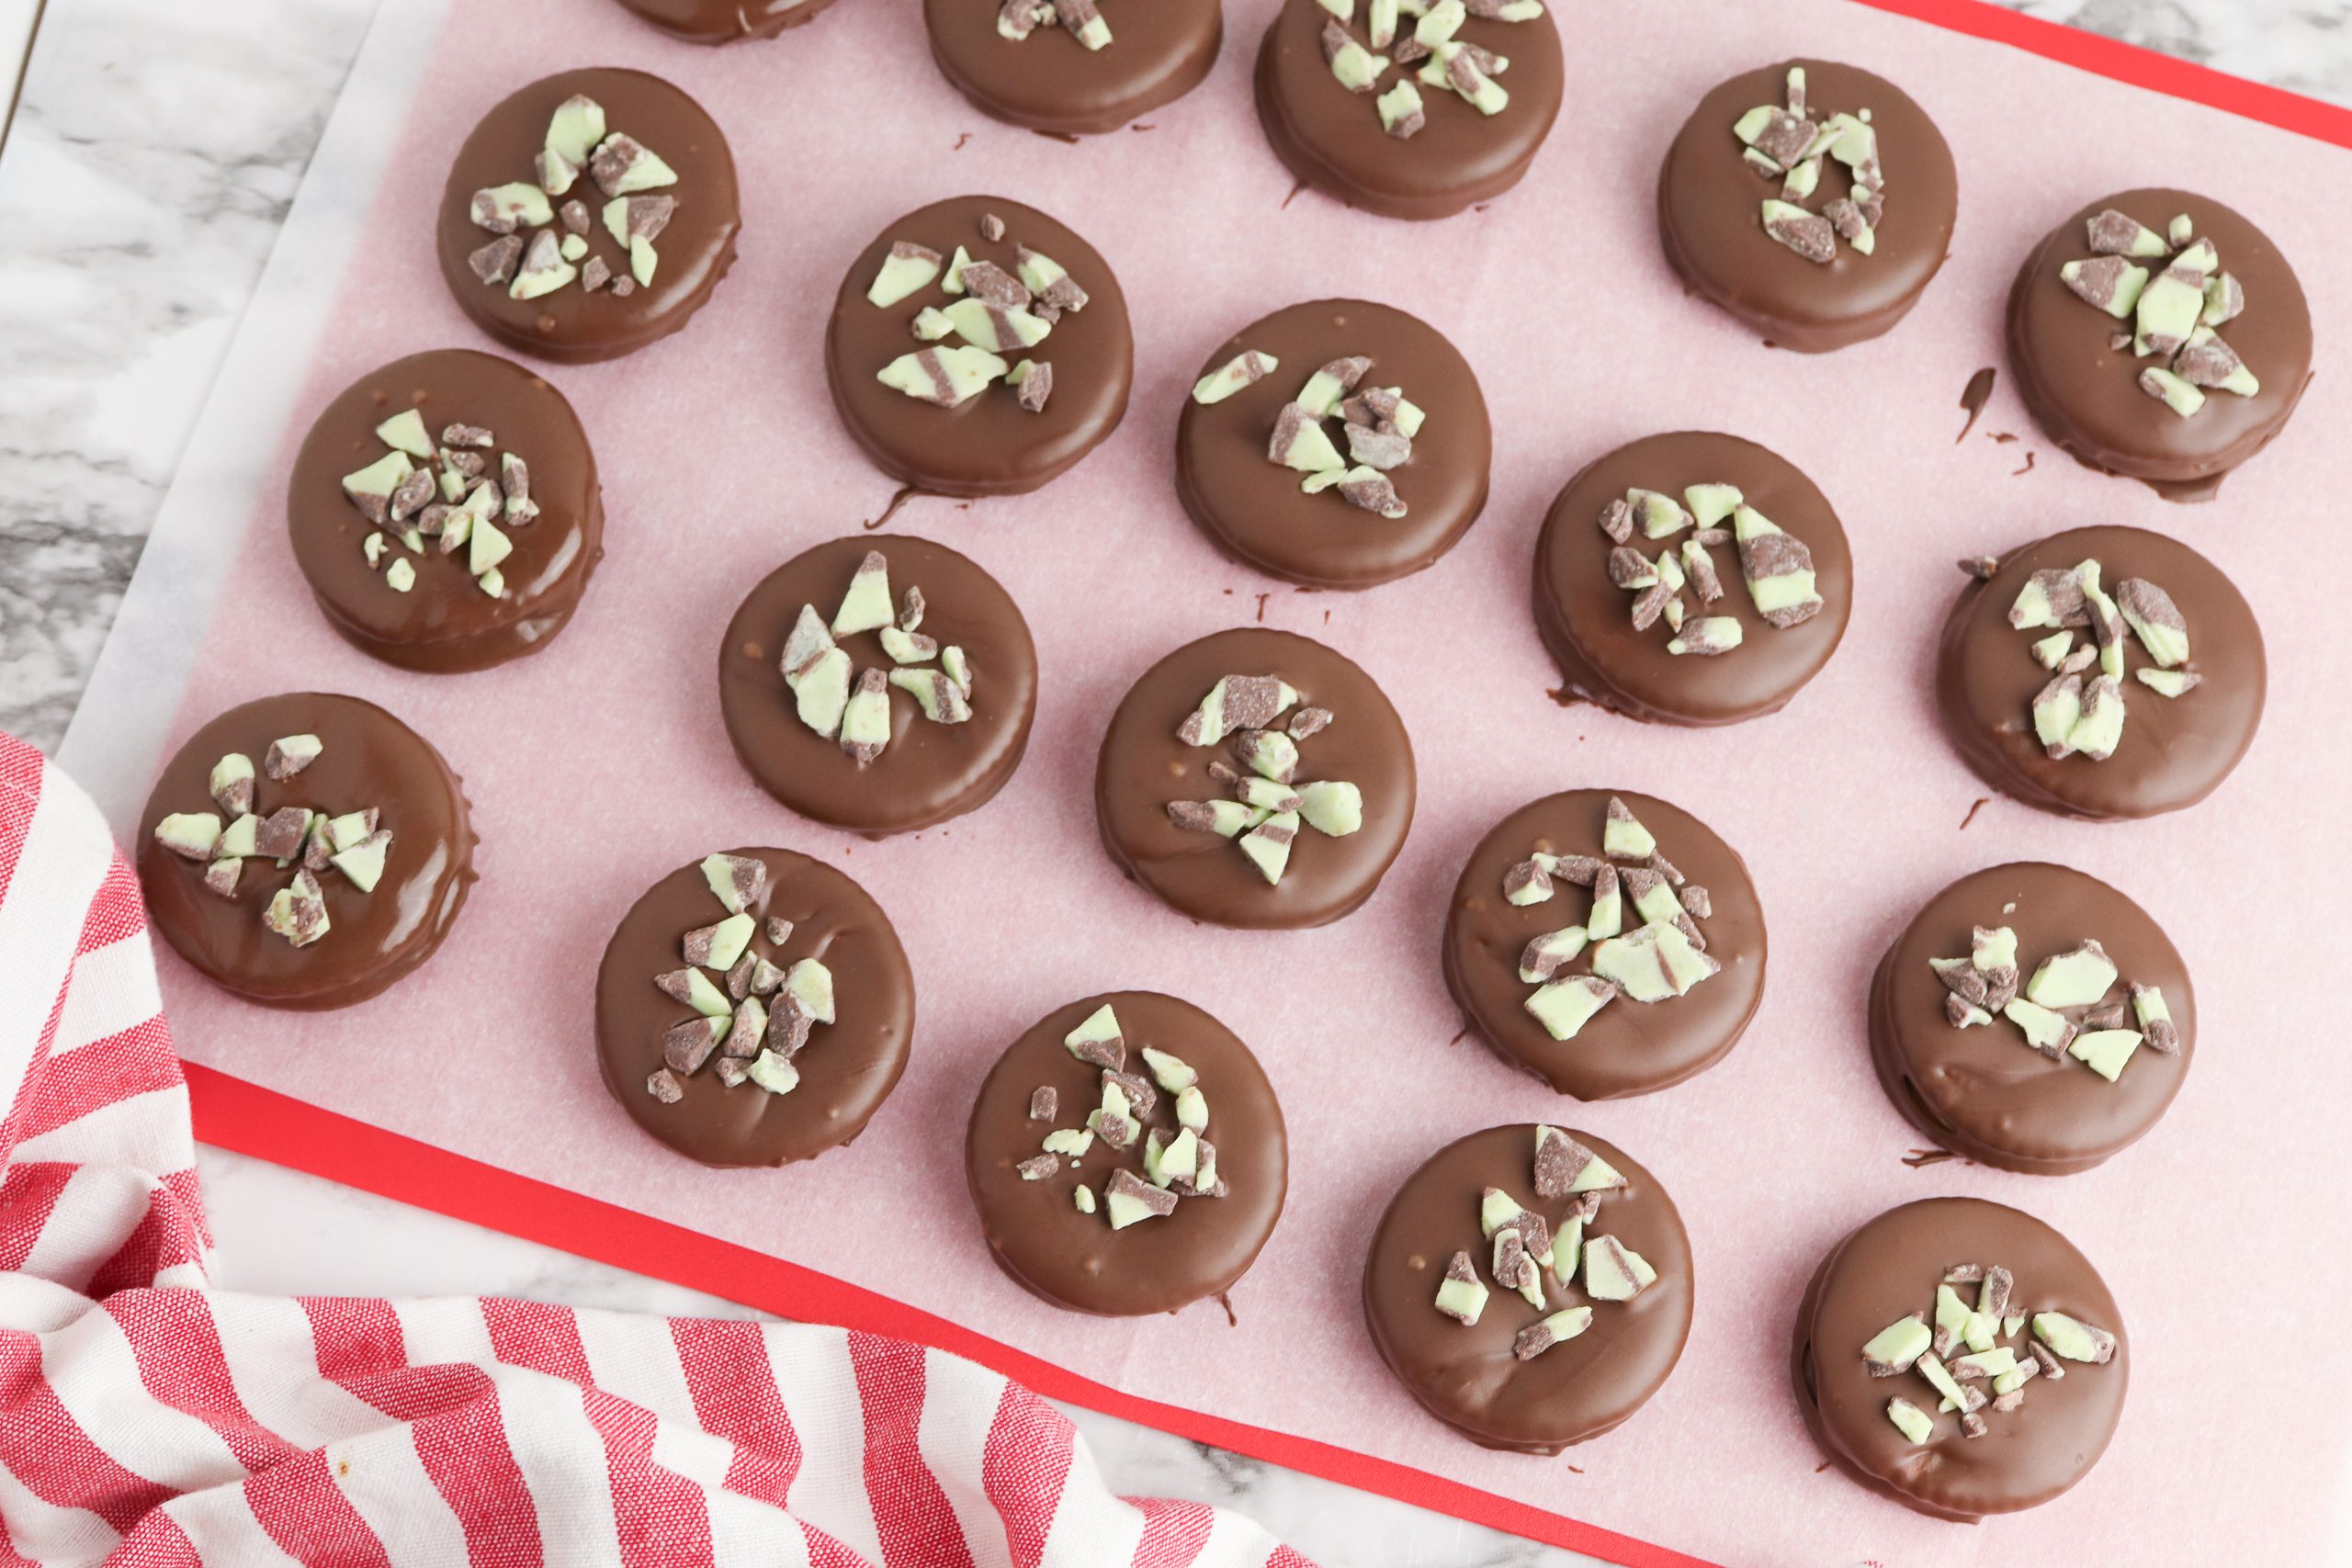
(147, 1418)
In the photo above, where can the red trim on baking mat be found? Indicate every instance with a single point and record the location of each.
(248, 1119)
(2130, 64)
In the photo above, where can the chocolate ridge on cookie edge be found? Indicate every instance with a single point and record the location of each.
(2180, 460)
(726, 21)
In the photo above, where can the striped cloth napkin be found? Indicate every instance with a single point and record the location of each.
(148, 1419)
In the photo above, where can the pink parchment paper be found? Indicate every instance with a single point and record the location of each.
(599, 765)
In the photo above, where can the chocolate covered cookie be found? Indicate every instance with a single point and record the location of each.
(1337, 444)
(1530, 1286)
(1126, 1157)
(753, 1007)
(1610, 944)
(306, 850)
(589, 214)
(2159, 336)
(1691, 578)
(1961, 1358)
(1073, 67)
(2033, 1018)
(724, 21)
(878, 683)
(446, 511)
(2103, 672)
(978, 348)
(1410, 112)
(1255, 779)
(1813, 201)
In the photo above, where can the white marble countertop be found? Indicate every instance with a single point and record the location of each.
(151, 156)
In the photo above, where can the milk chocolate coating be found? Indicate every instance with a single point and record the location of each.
(930, 771)
(1331, 139)
(989, 444)
(1627, 1047)
(1889, 1268)
(1466, 1375)
(572, 325)
(446, 622)
(1710, 213)
(724, 21)
(1034, 1228)
(1143, 767)
(1587, 621)
(2175, 750)
(1983, 1091)
(847, 1069)
(2085, 395)
(1159, 51)
(370, 759)
(1253, 507)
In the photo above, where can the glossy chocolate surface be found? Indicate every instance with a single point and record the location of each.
(1159, 51)
(725, 21)
(2175, 750)
(446, 622)
(929, 772)
(1253, 507)
(847, 1069)
(1710, 209)
(572, 325)
(2085, 394)
(988, 445)
(1983, 1091)
(1331, 139)
(1889, 1268)
(1143, 766)
(1586, 620)
(1627, 1047)
(370, 759)
(1034, 1230)
(1467, 1375)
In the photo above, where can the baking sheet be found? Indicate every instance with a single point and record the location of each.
(721, 457)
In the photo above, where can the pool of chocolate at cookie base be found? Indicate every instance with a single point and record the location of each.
(374, 939)
(929, 772)
(571, 324)
(1628, 1047)
(445, 623)
(1034, 1230)
(2175, 750)
(1889, 1268)
(1710, 208)
(1159, 51)
(1467, 1375)
(1586, 620)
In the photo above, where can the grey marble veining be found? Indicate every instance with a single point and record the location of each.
(152, 160)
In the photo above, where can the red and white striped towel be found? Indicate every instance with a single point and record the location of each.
(148, 1419)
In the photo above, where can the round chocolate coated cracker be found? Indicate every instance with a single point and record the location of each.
(1710, 212)
(929, 771)
(847, 1069)
(2086, 393)
(1253, 507)
(724, 21)
(692, 249)
(1981, 1092)
(1048, 81)
(1331, 139)
(367, 761)
(2173, 752)
(1468, 1375)
(1587, 621)
(1888, 1269)
(1627, 1047)
(989, 444)
(445, 621)
(1036, 1231)
(1145, 767)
